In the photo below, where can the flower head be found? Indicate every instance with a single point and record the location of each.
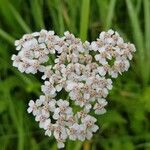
(81, 74)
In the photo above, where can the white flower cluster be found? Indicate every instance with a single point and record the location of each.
(80, 74)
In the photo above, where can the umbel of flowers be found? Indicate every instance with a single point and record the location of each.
(76, 83)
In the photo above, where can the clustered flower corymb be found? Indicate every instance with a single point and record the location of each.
(83, 70)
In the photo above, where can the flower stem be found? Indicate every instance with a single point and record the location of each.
(87, 145)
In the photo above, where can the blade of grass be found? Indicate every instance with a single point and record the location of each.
(7, 37)
(147, 22)
(73, 13)
(110, 13)
(60, 17)
(66, 16)
(138, 6)
(147, 28)
(138, 37)
(6, 16)
(53, 15)
(20, 127)
(15, 119)
(102, 7)
(55, 10)
(84, 19)
(36, 8)
(18, 18)
(4, 130)
(135, 26)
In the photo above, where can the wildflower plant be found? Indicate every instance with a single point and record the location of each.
(76, 82)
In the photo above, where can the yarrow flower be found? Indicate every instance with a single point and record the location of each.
(77, 81)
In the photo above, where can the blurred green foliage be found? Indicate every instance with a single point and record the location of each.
(126, 125)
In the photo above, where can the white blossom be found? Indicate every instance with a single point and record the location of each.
(48, 88)
(99, 106)
(80, 74)
(31, 106)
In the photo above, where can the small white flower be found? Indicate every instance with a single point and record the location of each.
(18, 44)
(48, 88)
(58, 87)
(99, 107)
(73, 132)
(86, 95)
(43, 35)
(40, 101)
(52, 105)
(94, 46)
(101, 71)
(30, 44)
(119, 41)
(109, 84)
(60, 145)
(89, 134)
(35, 34)
(82, 132)
(32, 106)
(62, 109)
(16, 60)
(47, 72)
(48, 127)
(110, 31)
(102, 35)
(70, 85)
(100, 59)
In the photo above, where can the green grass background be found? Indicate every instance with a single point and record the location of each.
(126, 125)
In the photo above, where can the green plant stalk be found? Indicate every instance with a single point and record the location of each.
(87, 145)
(84, 19)
(60, 17)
